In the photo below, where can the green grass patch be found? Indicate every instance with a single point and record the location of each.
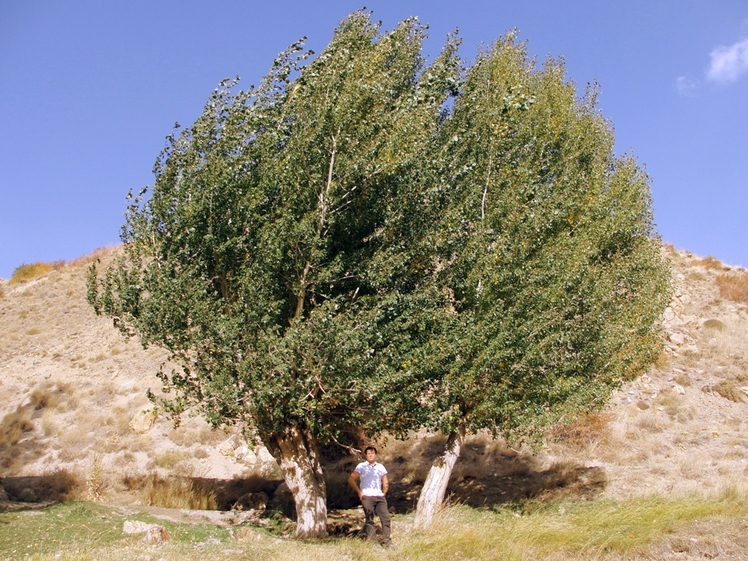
(605, 529)
(81, 530)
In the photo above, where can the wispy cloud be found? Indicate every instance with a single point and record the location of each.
(729, 63)
(685, 86)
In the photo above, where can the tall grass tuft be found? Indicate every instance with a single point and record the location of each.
(13, 426)
(709, 263)
(172, 492)
(727, 389)
(734, 286)
(25, 273)
(585, 431)
(583, 530)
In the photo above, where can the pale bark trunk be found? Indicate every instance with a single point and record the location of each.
(297, 454)
(432, 495)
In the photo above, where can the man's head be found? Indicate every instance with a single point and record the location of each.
(371, 454)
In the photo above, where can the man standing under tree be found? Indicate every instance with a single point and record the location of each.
(374, 487)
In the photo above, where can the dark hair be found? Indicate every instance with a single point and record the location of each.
(370, 448)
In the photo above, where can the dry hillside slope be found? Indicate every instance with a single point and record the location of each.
(73, 399)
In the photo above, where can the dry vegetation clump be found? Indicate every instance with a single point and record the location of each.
(734, 286)
(727, 389)
(25, 273)
(98, 253)
(169, 459)
(590, 430)
(57, 485)
(200, 493)
(171, 492)
(709, 263)
(51, 395)
(12, 429)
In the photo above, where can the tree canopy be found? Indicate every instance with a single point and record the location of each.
(341, 247)
(553, 259)
(546, 244)
(272, 257)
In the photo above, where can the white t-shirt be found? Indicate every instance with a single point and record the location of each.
(371, 478)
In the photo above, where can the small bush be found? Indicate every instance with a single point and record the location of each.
(734, 286)
(58, 485)
(710, 263)
(183, 436)
(585, 431)
(172, 492)
(13, 426)
(662, 361)
(50, 395)
(95, 480)
(49, 425)
(25, 273)
(727, 389)
(169, 459)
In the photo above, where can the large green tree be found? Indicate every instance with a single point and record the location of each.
(273, 257)
(546, 244)
(340, 248)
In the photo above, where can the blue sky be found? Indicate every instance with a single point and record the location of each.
(89, 90)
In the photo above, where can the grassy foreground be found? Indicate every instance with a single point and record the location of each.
(635, 528)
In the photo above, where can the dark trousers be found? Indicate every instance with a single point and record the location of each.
(378, 506)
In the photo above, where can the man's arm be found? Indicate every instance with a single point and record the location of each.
(353, 482)
(385, 484)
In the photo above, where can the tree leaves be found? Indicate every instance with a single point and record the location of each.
(367, 240)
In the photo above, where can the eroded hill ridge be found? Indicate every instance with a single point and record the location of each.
(74, 402)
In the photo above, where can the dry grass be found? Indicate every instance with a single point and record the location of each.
(25, 273)
(95, 484)
(169, 459)
(727, 389)
(734, 286)
(171, 492)
(709, 262)
(98, 253)
(50, 395)
(12, 429)
(589, 430)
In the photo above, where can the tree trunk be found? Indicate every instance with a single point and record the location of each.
(297, 454)
(432, 495)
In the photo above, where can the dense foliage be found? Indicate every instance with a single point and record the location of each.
(548, 247)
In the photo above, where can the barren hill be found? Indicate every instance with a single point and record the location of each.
(73, 402)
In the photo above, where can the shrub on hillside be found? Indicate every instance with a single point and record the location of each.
(727, 389)
(584, 431)
(710, 263)
(25, 273)
(172, 492)
(734, 286)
